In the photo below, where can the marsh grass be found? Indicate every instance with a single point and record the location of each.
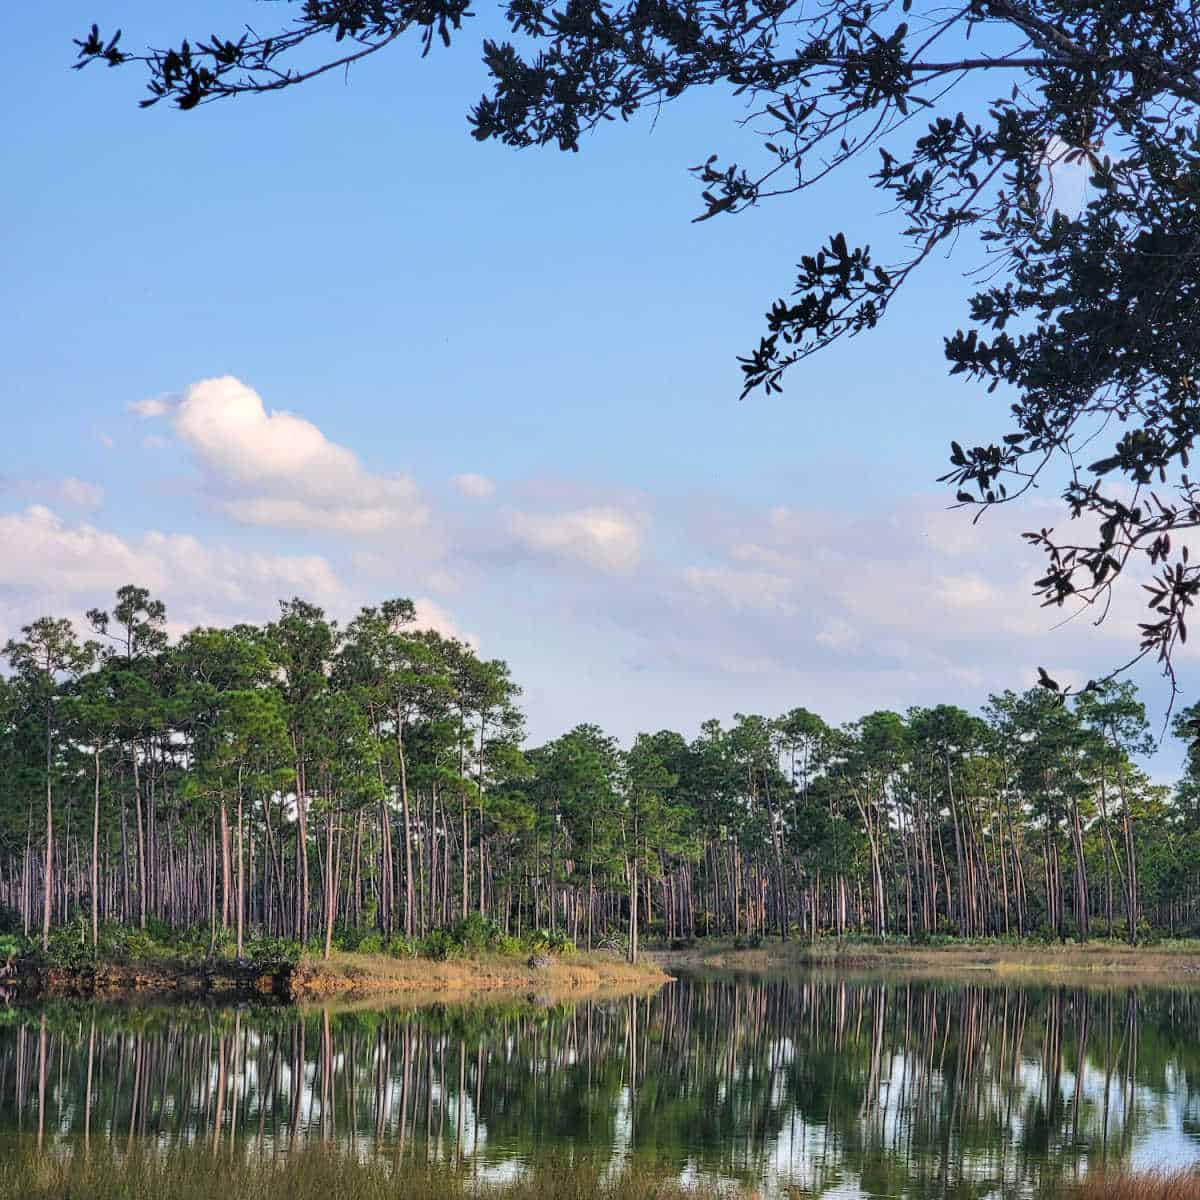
(318, 1174)
(1144, 1185)
(198, 1173)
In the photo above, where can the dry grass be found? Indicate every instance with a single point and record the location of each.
(1146, 1185)
(191, 1174)
(354, 975)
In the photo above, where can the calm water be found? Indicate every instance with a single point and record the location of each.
(853, 1087)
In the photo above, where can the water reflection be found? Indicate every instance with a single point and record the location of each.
(888, 1088)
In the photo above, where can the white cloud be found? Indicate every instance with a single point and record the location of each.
(50, 565)
(850, 610)
(152, 441)
(431, 615)
(475, 487)
(58, 567)
(106, 440)
(603, 537)
(278, 469)
(155, 406)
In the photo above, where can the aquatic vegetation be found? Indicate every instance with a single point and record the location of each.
(198, 1173)
(1143, 1185)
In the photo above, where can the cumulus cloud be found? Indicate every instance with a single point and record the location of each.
(432, 616)
(475, 487)
(278, 469)
(52, 565)
(606, 537)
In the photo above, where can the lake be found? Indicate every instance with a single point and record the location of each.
(881, 1087)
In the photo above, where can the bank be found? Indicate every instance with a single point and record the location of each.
(1177, 961)
(342, 976)
(364, 975)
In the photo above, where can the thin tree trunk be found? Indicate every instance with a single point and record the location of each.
(96, 852)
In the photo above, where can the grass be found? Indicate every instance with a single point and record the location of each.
(196, 1174)
(354, 975)
(1147, 1185)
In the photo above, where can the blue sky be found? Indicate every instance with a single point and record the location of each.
(645, 550)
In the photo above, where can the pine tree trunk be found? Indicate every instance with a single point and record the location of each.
(47, 894)
(96, 852)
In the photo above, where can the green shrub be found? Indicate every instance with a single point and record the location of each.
(265, 949)
(560, 943)
(189, 943)
(476, 933)
(69, 947)
(543, 941)
(371, 943)
(345, 937)
(402, 947)
(159, 931)
(512, 947)
(12, 945)
(440, 945)
(142, 945)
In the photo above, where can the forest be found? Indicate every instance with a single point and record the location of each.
(368, 786)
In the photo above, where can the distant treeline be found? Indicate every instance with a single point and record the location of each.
(299, 780)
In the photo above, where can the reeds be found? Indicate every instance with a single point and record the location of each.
(318, 1174)
(1143, 1185)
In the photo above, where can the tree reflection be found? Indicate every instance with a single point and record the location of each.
(900, 1088)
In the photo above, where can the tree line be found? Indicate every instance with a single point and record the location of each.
(304, 780)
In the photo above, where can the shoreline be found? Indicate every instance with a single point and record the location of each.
(354, 977)
(360, 976)
(344, 976)
(1095, 960)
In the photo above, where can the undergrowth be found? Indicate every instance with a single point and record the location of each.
(71, 948)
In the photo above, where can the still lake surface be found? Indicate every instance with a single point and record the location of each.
(880, 1087)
